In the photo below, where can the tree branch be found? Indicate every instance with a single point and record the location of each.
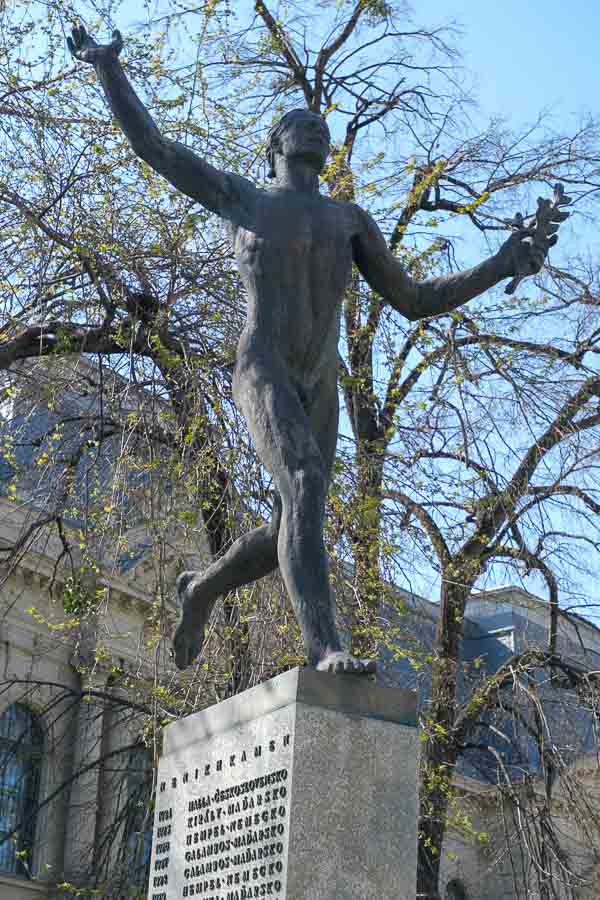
(329, 50)
(428, 523)
(283, 45)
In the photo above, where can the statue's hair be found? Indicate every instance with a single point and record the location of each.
(275, 133)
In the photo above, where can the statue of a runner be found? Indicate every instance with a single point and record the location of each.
(294, 249)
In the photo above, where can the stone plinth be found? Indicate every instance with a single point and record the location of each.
(303, 788)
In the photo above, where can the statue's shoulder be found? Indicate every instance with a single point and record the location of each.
(349, 210)
(241, 184)
(359, 219)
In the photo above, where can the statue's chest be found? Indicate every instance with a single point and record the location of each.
(294, 231)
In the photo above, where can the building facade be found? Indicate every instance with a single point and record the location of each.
(77, 754)
(56, 721)
(75, 771)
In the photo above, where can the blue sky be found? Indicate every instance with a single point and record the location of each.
(527, 54)
(522, 57)
(524, 54)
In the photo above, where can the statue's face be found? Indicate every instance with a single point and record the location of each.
(306, 135)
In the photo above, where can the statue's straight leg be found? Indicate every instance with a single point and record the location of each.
(286, 441)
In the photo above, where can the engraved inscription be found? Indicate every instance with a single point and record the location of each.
(159, 877)
(234, 840)
(228, 841)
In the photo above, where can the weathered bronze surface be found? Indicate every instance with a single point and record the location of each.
(294, 249)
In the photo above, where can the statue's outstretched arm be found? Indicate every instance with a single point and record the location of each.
(226, 194)
(418, 300)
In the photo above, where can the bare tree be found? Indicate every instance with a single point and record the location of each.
(471, 438)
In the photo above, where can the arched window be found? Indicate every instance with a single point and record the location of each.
(21, 744)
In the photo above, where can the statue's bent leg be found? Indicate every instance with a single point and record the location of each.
(252, 556)
(287, 444)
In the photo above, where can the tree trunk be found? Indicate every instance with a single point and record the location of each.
(440, 751)
(366, 531)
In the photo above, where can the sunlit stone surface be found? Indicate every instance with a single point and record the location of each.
(303, 788)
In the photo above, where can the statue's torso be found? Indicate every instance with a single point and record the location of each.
(295, 263)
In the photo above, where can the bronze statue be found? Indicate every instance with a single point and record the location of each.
(294, 249)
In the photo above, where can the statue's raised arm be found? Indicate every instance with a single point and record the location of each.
(226, 194)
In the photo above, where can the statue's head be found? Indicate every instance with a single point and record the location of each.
(299, 133)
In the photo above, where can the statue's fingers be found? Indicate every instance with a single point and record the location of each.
(520, 236)
(552, 241)
(538, 257)
(117, 39)
(80, 36)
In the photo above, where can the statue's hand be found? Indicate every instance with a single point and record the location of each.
(83, 46)
(521, 255)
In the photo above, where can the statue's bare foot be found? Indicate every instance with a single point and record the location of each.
(195, 613)
(342, 663)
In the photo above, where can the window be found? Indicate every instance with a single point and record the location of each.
(124, 844)
(455, 890)
(506, 637)
(7, 402)
(139, 817)
(21, 743)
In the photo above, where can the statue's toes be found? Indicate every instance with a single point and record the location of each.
(345, 664)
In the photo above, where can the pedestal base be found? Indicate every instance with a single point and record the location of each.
(303, 788)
